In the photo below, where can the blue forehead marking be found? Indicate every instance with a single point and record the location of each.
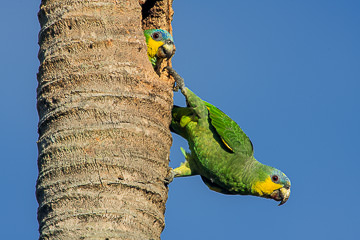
(165, 34)
(282, 176)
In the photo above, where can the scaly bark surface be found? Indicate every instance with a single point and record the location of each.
(104, 140)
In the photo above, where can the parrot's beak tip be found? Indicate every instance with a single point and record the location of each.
(281, 194)
(166, 50)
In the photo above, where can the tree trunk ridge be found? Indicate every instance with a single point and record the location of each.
(104, 140)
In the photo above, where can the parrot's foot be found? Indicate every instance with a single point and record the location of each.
(170, 177)
(175, 88)
(178, 80)
(197, 114)
(183, 171)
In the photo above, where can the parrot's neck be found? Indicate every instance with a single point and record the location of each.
(243, 176)
(250, 174)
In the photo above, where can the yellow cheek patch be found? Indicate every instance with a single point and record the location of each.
(265, 187)
(153, 47)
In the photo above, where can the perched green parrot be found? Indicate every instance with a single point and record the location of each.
(221, 153)
(160, 45)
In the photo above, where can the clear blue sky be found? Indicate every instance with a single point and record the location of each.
(287, 72)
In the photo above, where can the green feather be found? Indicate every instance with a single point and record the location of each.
(229, 131)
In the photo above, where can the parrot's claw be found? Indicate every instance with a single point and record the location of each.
(170, 177)
(178, 80)
(175, 88)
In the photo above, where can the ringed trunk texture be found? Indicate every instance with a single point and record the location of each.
(104, 115)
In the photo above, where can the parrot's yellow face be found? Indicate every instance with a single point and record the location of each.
(275, 186)
(153, 47)
(160, 45)
(266, 187)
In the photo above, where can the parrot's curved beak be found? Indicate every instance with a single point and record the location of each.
(281, 194)
(167, 50)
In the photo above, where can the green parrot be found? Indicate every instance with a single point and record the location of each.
(221, 153)
(160, 45)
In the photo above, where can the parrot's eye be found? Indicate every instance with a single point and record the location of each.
(275, 178)
(156, 36)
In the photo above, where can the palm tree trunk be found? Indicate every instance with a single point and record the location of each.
(104, 139)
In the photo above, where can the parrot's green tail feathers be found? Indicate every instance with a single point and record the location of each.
(184, 169)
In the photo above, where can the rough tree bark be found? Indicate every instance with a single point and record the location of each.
(104, 140)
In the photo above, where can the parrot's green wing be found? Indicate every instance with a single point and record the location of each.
(231, 134)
